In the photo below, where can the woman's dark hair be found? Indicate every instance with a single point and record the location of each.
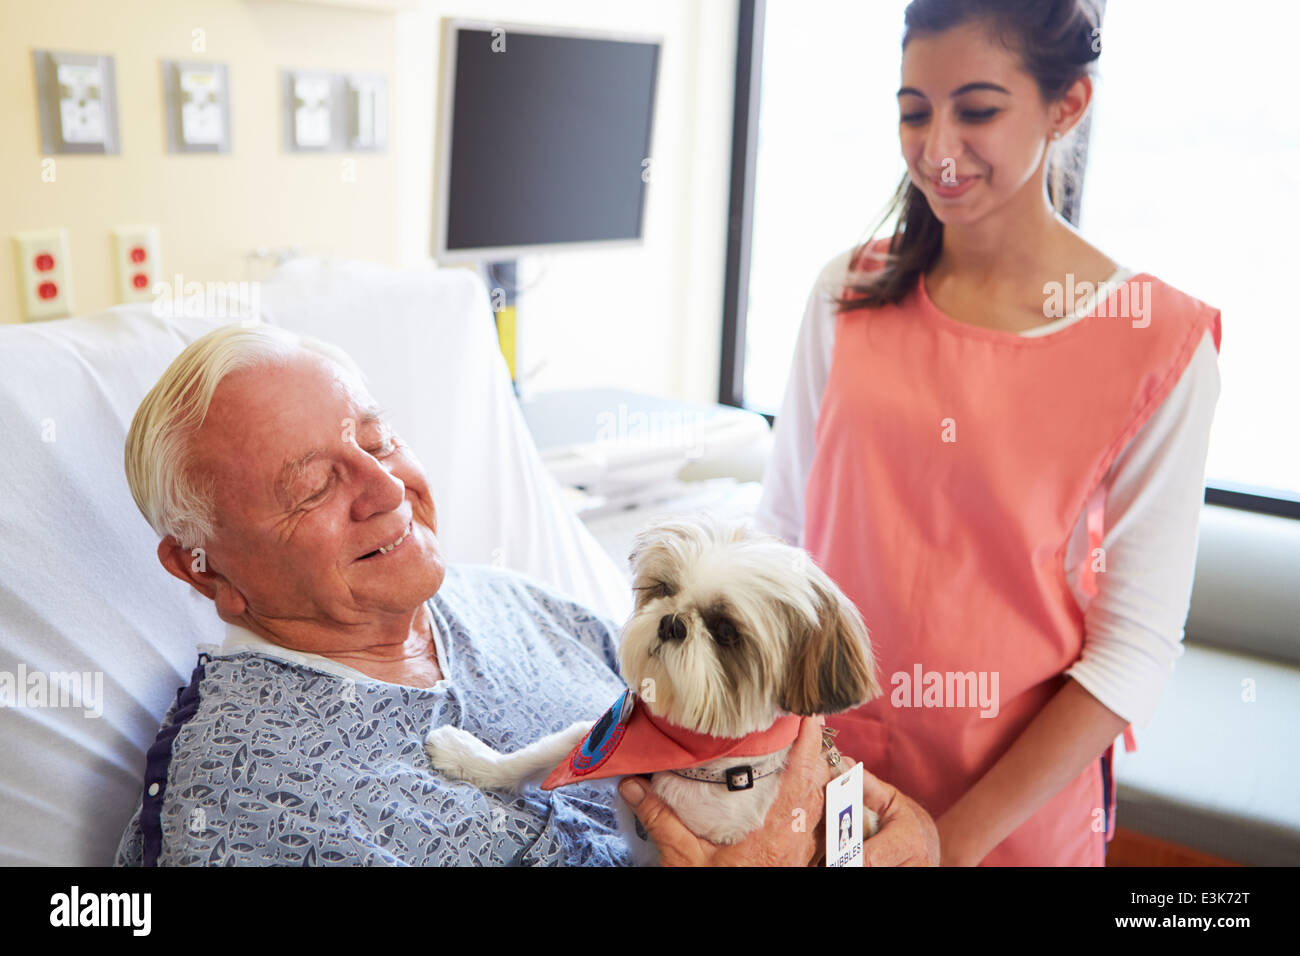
(1058, 41)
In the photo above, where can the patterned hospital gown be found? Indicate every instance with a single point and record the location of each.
(263, 761)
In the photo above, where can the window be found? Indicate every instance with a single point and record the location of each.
(827, 163)
(1193, 175)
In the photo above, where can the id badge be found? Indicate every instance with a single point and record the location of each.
(845, 825)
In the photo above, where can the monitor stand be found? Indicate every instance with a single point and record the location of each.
(502, 282)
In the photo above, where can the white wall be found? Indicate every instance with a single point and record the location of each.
(648, 318)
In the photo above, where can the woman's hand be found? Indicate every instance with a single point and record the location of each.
(791, 834)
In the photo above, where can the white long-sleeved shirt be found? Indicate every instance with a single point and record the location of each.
(1154, 491)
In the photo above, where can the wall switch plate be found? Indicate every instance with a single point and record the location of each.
(335, 112)
(310, 111)
(135, 262)
(198, 106)
(367, 111)
(77, 102)
(44, 273)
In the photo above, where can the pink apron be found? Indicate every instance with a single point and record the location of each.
(952, 464)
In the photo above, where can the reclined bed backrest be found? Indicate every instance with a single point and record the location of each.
(81, 592)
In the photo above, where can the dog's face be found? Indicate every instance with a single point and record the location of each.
(733, 628)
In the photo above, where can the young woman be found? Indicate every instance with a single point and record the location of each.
(994, 439)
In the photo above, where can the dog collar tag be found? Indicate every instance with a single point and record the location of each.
(740, 778)
(603, 738)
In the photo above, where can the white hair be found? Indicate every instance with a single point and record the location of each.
(173, 499)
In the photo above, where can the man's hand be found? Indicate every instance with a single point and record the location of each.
(791, 834)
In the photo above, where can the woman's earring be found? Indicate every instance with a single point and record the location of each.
(1056, 134)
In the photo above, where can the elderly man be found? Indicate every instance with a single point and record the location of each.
(281, 495)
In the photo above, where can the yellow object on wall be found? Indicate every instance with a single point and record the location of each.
(506, 336)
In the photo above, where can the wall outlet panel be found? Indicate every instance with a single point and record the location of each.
(334, 112)
(76, 99)
(312, 114)
(197, 97)
(44, 274)
(135, 262)
(365, 114)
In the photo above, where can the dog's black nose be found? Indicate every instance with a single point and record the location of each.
(672, 628)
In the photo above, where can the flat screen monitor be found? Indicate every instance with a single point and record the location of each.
(544, 140)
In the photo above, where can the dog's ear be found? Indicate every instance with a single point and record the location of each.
(644, 539)
(832, 666)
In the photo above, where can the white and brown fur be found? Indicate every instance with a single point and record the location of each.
(731, 629)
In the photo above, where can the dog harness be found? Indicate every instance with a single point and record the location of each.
(628, 739)
(952, 463)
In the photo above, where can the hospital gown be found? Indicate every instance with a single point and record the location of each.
(274, 762)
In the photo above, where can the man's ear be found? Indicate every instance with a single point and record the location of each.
(191, 566)
(186, 564)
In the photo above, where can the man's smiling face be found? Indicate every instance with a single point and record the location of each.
(323, 515)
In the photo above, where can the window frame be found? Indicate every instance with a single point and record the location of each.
(746, 103)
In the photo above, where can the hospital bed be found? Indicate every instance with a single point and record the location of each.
(81, 590)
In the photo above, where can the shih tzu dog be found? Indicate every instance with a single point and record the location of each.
(734, 637)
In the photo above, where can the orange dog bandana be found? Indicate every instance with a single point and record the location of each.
(628, 739)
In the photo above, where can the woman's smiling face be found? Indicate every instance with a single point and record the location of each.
(973, 126)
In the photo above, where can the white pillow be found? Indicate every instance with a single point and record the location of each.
(81, 589)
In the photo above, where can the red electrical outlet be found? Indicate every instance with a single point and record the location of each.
(44, 274)
(135, 262)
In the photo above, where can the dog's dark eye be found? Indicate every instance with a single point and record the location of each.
(657, 589)
(723, 631)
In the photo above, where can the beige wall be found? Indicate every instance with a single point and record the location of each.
(211, 210)
(645, 318)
